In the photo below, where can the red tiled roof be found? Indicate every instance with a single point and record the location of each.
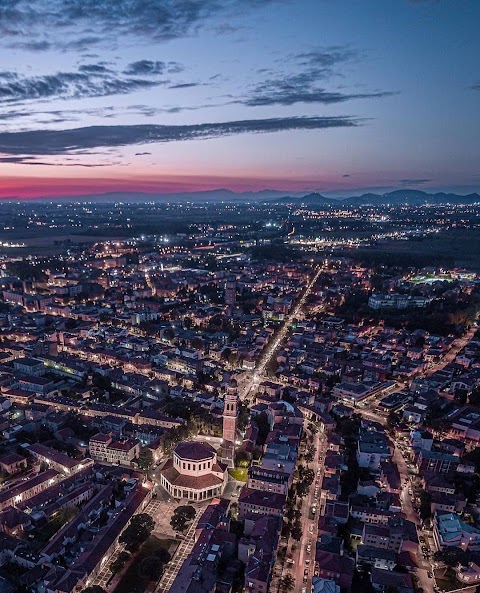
(194, 451)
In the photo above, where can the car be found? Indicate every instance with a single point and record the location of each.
(309, 549)
(307, 562)
(305, 578)
(305, 572)
(310, 529)
(429, 575)
(304, 590)
(290, 561)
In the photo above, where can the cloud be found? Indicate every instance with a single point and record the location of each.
(414, 181)
(152, 68)
(95, 69)
(290, 92)
(475, 87)
(325, 58)
(91, 80)
(185, 85)
(16, 159)
(57, 142)
(311, 68)
(108, 20)
(31, 160)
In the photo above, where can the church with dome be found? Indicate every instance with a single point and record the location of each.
(194, 473)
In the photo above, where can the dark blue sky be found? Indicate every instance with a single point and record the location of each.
(164, 95)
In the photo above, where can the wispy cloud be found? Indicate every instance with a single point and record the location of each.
(34, 161)
(90, 22)
(313, 69)
(53, 142)
(152, 68)
(91, 80)
(414, 181)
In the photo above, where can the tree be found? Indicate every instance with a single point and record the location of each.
(163, 555)
(151, 568)
(145, 459)
(297, 531)
(178, 523)
(452, 556)
(169, 334)
(242, 459)
(186, 511)
(119, 562)
(263, 424)
(287, 583)
(138, 531)
(309, 457)
(425, 505)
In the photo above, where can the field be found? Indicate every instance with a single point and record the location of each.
(42, 243)
(461, 245)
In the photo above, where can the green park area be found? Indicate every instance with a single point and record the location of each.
(239, 473)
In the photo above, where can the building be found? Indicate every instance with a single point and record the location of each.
(28, 488)
(450, 531)
(397, 301)
(258, 503)
(385, 537)
(102, 447)
(436, 462)
(268, 480)
(324, 586)
(13, 463)
(29, 366)
(194, 472)
(230, 414)
(58, 461)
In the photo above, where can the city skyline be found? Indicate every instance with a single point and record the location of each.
(164, 97)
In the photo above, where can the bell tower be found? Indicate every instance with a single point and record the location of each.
(230, 414)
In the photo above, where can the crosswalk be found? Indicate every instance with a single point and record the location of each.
(105, 574)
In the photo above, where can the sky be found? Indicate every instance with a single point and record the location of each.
(163, 96)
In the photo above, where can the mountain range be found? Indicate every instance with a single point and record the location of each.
(410, 197)
(268, 196)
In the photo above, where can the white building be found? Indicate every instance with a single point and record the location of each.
(194, 472)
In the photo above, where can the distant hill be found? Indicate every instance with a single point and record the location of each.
(410, 197)
(132, 197)
(270, 196)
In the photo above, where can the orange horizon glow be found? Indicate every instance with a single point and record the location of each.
(35, 187)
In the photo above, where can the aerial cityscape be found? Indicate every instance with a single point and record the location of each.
(239, 296)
